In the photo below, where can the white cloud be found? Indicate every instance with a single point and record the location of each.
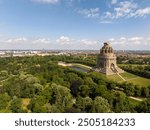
(132, 43)
(90, 13)
(111, 40)
(141, 12)
(16, 40)
(122, 39)
(114, 2)
(64, 40)
(108, 15)
(136, 40)
(126, 9)
(47, 1)
(88, 42)
(106, 22)
(128, 5)
(68, 2)
(42, 40)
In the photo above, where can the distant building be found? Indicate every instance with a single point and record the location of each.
(106, 62)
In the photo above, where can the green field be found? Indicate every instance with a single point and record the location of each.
(115, 77)
(128, 76)
(82, 66)
(131, 78)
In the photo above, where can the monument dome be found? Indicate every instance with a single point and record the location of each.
(106, 49)
(106, 61)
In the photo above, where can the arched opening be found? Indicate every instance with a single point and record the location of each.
(112, 66)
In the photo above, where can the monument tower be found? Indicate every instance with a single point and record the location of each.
(106, 62)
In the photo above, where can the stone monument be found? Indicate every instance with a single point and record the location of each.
(106, 61)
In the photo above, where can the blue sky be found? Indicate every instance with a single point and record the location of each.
(74, 24)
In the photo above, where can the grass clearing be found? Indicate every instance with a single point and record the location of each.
(115, 77)
(131, 78)
(82, 66)
(140, 81)
(128, 76)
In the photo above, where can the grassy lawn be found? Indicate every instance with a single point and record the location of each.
(131, 78)
(82, 66)
(131, 65)
(140, 81)
(114, 77)
(128, 76)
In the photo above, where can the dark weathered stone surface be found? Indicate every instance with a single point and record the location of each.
(106, 62)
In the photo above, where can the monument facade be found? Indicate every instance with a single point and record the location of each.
(106, 61)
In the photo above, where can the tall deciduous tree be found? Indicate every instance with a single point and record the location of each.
(100, 105)
(4, 101)
(61, 97)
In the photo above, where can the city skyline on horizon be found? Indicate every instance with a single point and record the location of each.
(74, 24)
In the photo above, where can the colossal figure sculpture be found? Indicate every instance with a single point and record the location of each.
(106, 62)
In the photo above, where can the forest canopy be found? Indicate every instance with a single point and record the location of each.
(39, 84)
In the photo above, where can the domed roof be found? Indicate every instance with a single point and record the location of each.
(106, 49)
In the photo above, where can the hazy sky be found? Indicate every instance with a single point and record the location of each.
(74, 24)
